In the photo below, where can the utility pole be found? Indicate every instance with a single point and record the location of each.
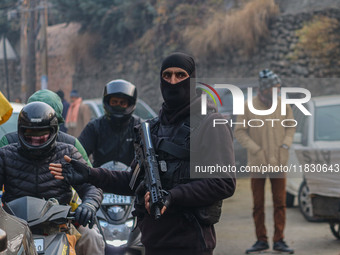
(31, 36)
(30, 26)
(44, 50)
(6, 66)
(23, 47)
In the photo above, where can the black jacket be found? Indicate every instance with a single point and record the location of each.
(109, 142)
(23, 176)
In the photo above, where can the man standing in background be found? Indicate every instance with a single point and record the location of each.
(78, 115)
(267, 145)
(66, 105)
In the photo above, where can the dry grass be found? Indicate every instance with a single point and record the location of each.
(239, 31)
(320, 39)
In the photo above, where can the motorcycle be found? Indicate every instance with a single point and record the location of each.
(3, 240)
(117, 224)
(15, 236)
(49, 222)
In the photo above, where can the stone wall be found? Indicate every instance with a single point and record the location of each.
(277, 53)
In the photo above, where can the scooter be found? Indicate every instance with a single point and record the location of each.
(49, 222)
(117, 223)
(15, 236)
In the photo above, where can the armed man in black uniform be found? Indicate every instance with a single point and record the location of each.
(191, 207)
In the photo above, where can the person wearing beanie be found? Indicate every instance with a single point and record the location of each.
(78, 115)
(191, 206)
(267, 146)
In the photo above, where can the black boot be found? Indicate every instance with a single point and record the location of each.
(282, 247)
(258, 246)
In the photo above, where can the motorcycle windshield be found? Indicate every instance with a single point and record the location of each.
(36, 211)
(19, 237)
(115, 209)
(115, 166)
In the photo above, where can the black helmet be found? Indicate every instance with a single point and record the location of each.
(268, 79)
(120, 88)
(37, 129)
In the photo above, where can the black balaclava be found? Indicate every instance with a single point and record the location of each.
(177, 95)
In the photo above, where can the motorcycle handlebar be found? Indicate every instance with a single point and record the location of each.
(71, 216)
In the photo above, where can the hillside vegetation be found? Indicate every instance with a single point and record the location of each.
(205, 28)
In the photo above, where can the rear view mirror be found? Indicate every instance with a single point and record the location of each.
(3, 240)
(297, 138)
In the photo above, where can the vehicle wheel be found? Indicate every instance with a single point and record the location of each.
(289, 200)
(305, 203)
(335, 228)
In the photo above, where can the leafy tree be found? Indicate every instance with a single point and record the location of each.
(118, 21)
(9, 27)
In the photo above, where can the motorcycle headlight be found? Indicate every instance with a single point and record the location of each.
(117, 235)
(116, 212)
(117, 243)
(129, 223)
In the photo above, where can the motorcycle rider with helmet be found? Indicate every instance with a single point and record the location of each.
(24, 171)
(53, 100)
(111, 136)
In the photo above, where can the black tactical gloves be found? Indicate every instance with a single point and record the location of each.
(167, 200)
(75, 172)
(85, 214)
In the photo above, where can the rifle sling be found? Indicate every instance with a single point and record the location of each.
(174, 149)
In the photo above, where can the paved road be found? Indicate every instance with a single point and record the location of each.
(235, 232)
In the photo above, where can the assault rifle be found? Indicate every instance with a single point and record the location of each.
(146, 158)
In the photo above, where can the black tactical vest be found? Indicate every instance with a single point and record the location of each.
(172, 145)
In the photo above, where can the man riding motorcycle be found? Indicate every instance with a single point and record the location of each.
(110, 137)
(53, 100)
(24, 171)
